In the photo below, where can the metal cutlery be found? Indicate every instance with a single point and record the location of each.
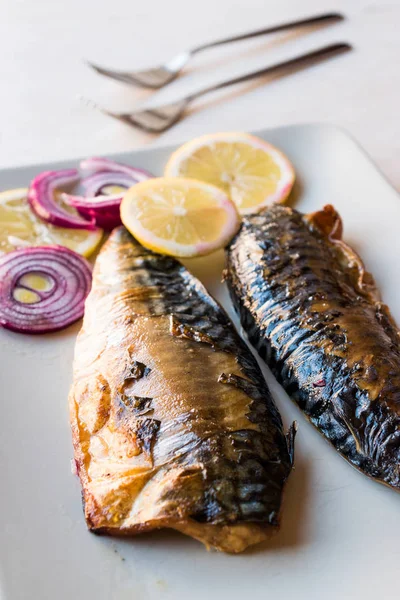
(159, 76)
(160, 118)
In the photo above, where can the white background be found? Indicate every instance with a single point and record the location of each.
(42, 73)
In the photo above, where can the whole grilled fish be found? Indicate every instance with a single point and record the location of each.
(313, 313)
(173, 424)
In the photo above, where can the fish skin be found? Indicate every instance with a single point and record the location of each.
(314, 315)
(173, 424)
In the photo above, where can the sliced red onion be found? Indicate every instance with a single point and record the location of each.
(25, 306)
(96, 164)
(103, 210)
(93, 201)
(98, 207)
(96, 183)
(42, 202)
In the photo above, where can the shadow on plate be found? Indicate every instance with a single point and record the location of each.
(293, 532)
(295, 194)
(208, 269)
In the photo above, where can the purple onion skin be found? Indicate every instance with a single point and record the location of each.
(96, 207)
(41, 199)
(104, 172)
(96, 164)
(107, 219)
(58, 307)
(102, 210)
(93, 184)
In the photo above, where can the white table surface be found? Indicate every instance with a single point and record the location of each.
(42, 73)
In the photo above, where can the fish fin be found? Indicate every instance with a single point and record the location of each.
(329, 223)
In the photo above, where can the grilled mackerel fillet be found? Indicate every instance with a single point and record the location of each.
(173, 424)
(313, 313)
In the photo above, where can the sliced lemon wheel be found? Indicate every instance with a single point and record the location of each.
(252, 172)
(178, 216)
(20, 227)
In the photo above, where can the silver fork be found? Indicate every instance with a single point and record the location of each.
(157, 77)
(160, 118)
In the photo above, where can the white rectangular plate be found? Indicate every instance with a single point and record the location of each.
(340, 534)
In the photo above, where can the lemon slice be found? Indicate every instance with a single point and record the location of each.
(252, 172)
(180, 217)
(20, 227)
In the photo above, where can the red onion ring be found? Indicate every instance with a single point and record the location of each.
(101, 209)
(93, 201)
(41, 199)
(58, 306)
(94, 184)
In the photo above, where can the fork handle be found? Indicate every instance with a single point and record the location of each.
(333, 16)
(310, 57)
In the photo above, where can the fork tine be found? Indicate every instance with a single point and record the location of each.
(148, 125)
(151, 120)
(95, 106)
(117, 75)
(123, 117)
(152, 78)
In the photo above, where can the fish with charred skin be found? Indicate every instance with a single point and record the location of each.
(173, 424)
(313, 313)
